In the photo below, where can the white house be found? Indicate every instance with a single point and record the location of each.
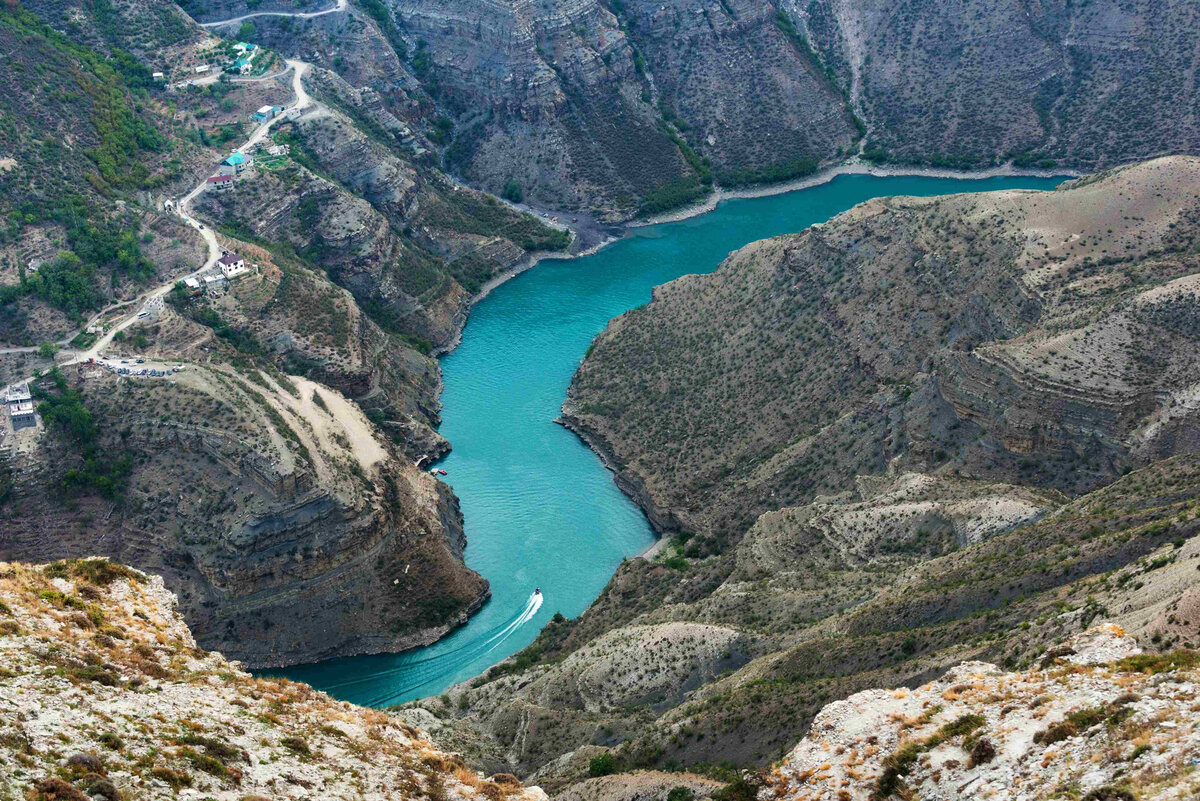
(231, 262)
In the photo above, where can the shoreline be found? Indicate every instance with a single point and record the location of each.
(827, 174)
(619, 231)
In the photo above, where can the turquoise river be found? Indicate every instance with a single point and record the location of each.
(540, 509)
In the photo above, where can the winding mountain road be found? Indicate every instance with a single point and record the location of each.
(341, 6)
(302, 101)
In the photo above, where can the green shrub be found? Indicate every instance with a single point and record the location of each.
(512, 191)
(602, 765)
(297, 745)
(175, 778)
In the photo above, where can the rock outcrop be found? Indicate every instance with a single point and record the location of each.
(1101, 722)
(105, 694)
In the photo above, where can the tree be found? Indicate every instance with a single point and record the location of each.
(47, 350)
(602, 765)
(512, 191)
(246, 32)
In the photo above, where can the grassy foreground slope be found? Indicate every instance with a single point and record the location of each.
(106, 695)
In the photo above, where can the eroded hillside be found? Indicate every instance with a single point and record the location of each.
(857, 490)
(246, 490)
(636, 106)
(105, 694)
(1030, 337)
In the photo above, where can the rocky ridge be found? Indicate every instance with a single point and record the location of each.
(1099, 719)
(105, 694)
(1028, 337)
(247, 491)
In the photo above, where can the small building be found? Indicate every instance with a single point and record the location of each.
(292, 113)
(158, 76)
(203, 68)
(214, 282)
(237, 161)
(232, 265)
(22, 414)
(192, 285)
(243, 66)
(221, 182)
(18, 393)
(279, 150)
(244, 47)
(266, 113)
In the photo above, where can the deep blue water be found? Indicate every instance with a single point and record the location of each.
(540, 508)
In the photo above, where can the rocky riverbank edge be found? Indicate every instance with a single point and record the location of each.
(664, 522)
(852, 167)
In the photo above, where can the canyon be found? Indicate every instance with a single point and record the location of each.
(929, 445)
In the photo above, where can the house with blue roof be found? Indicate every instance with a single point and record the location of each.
(237, 161)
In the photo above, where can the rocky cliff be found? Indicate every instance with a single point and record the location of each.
(554, 97)
(1100, 719)
(282, 518)
(105, 694)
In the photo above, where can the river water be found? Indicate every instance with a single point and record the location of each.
(540, 509)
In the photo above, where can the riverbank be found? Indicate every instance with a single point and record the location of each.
(827, 174)
(540, 508)
(593, 236)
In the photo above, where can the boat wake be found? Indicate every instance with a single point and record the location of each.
(412, 673)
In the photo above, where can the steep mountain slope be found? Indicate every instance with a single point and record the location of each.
(248, 480)
(929, 430)
(1035, 338)
(548, 99)
(104, 694)
(1085, 84)
(246, 490)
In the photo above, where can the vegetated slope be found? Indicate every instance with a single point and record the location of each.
(1035, 338)
(724, 661)
(1083, 84)
(105, 694)
(78, 132)
(989, 368)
